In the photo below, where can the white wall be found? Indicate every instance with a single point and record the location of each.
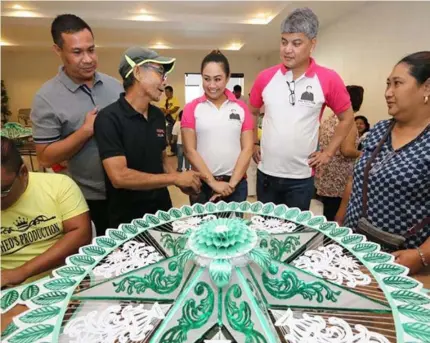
(25, 70)
(364, 47)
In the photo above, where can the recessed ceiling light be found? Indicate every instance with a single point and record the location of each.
(234, 46)
(17, 7)
(144, 17)
(260, 19)
(143, 11)
(24, 14)
(160, 45)
(4, 43)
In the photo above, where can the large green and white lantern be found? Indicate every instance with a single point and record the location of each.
(220, 273)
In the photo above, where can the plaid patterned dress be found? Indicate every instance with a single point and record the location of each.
(399, 185)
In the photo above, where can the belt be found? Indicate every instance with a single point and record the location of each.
(226, 178)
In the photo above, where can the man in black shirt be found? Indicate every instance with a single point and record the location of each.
(131, 136)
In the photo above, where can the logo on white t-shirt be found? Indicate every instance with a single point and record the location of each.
(307, 96)
(234, 115)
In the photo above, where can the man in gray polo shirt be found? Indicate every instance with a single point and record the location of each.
(64, 110)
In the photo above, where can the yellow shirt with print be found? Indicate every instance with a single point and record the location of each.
(172, 103)
(35, 222)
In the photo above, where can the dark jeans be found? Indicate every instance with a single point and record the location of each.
(331, 205)
(182, 158)
(240, 194)
(99, 215)
(291, 192)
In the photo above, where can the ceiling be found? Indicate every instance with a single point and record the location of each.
(245, 26)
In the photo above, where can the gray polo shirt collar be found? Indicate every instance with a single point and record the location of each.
(70, 84)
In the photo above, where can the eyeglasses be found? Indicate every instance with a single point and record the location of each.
(5, 192)
(292, 88)
(159, 70)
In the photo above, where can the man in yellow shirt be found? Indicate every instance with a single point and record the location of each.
(44, 219)
(171, 112)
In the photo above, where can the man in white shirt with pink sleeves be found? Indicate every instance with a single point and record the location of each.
(295, 93)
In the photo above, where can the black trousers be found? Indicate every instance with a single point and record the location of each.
(331, 205)
(129, 211)
(99, 215)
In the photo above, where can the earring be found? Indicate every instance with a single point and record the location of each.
(426, 99)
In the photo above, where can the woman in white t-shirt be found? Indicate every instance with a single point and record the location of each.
(217, 131)
(177, 138)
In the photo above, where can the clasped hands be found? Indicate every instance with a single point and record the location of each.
(190, 182)
(221, 189)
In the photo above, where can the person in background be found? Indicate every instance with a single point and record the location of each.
(356, 94)
(217, 134)
(393, 173)
(64, 110)
(44, 219)
(170, 110)
(177, 139)
(331, 179)
(363, 128)
(131, 135)
(237, 91)
(289, 140)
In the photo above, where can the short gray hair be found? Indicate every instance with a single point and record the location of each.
(301, 20)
